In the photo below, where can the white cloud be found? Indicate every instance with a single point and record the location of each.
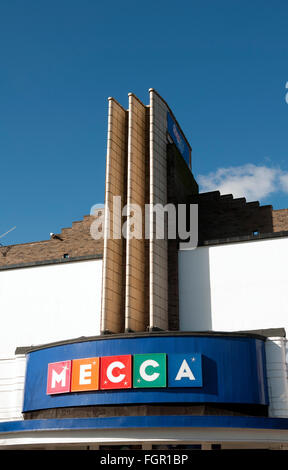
(284, 182)
(250, 181)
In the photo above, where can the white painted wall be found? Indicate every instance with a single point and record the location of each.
(49, 303)
(277, 377)
(232, 287)
(12, 375)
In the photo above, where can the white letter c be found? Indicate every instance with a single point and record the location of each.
(142, 370)
(110, 369)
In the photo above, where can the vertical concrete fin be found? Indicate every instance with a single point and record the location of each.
(136, 292)
(158, 248)
(112, 308)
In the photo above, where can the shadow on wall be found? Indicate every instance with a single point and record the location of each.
(194, 290)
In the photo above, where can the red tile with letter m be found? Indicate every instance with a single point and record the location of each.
(58, 379)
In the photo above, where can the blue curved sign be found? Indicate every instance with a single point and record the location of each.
(178, 139)
(147, 369)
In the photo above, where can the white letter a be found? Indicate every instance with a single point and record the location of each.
(185, 371)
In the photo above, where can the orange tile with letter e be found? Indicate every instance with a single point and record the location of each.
(85, 374)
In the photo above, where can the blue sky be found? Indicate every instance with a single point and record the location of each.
(221, 65)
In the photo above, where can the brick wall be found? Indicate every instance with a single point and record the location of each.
(223, 216)
(280, 220)
(75, 241)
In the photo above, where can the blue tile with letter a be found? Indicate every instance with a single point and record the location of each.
(185, 370)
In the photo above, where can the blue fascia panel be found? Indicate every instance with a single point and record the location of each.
(74, 424)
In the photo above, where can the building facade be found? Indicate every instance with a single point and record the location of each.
(128, 330)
